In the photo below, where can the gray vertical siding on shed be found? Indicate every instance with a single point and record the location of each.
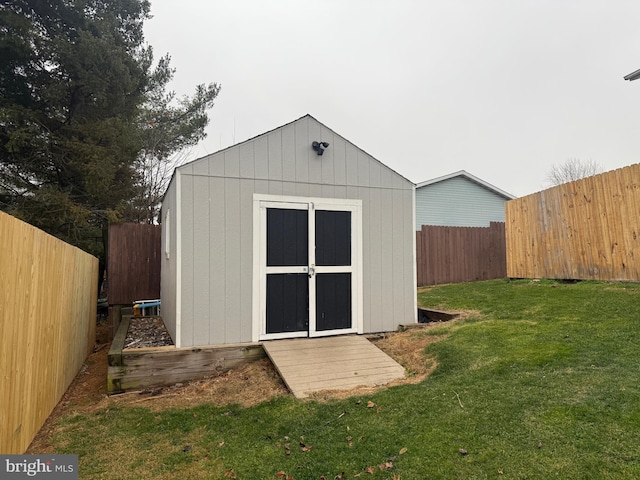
(458, 202)
(169, 268)
(217, 261)
(217, 227)
(201, 288)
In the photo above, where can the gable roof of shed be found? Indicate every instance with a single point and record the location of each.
(472, 178)
(285, 125)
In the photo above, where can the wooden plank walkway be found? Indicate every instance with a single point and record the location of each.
(331, 363)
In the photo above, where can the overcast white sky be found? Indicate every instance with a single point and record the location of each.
(503, 89)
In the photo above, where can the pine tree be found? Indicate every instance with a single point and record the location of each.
(73, 75)
(82, 113)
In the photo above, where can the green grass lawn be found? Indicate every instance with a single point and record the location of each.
(542, 383)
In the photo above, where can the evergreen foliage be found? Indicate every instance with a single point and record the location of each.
(80, 99)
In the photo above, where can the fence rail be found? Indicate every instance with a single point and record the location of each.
(588, 229)
(460, 254)
(48, 296)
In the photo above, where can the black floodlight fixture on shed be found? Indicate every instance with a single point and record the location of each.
(633, 76)
(319, 147)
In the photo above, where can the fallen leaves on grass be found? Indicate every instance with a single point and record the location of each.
(305, 448)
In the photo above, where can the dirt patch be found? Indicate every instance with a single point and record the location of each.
(246, 386)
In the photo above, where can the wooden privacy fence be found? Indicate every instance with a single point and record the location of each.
(460, 254)
(48, 296)
(587, 229)
(133, 266)
(133, 263)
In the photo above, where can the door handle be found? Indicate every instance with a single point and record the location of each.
(312, 270)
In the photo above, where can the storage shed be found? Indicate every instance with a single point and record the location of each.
(294, 233)
(459, 200)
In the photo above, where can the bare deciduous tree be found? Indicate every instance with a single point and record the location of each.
(170, 126)
(572, 169)
(155, 175)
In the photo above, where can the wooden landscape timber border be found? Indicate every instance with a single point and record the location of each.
(428, 315)
(140, 368)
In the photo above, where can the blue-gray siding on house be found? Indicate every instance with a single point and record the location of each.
(458, 202)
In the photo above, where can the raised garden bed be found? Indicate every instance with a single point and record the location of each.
(145, 332)
(142, 354)
(153, 366)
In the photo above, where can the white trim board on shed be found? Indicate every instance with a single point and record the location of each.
(211, 293)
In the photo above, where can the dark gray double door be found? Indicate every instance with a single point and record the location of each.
(308, 269)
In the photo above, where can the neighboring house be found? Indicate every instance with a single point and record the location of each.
(294, 233)
(459, 200)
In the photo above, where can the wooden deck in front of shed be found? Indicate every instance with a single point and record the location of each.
(310, 365)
